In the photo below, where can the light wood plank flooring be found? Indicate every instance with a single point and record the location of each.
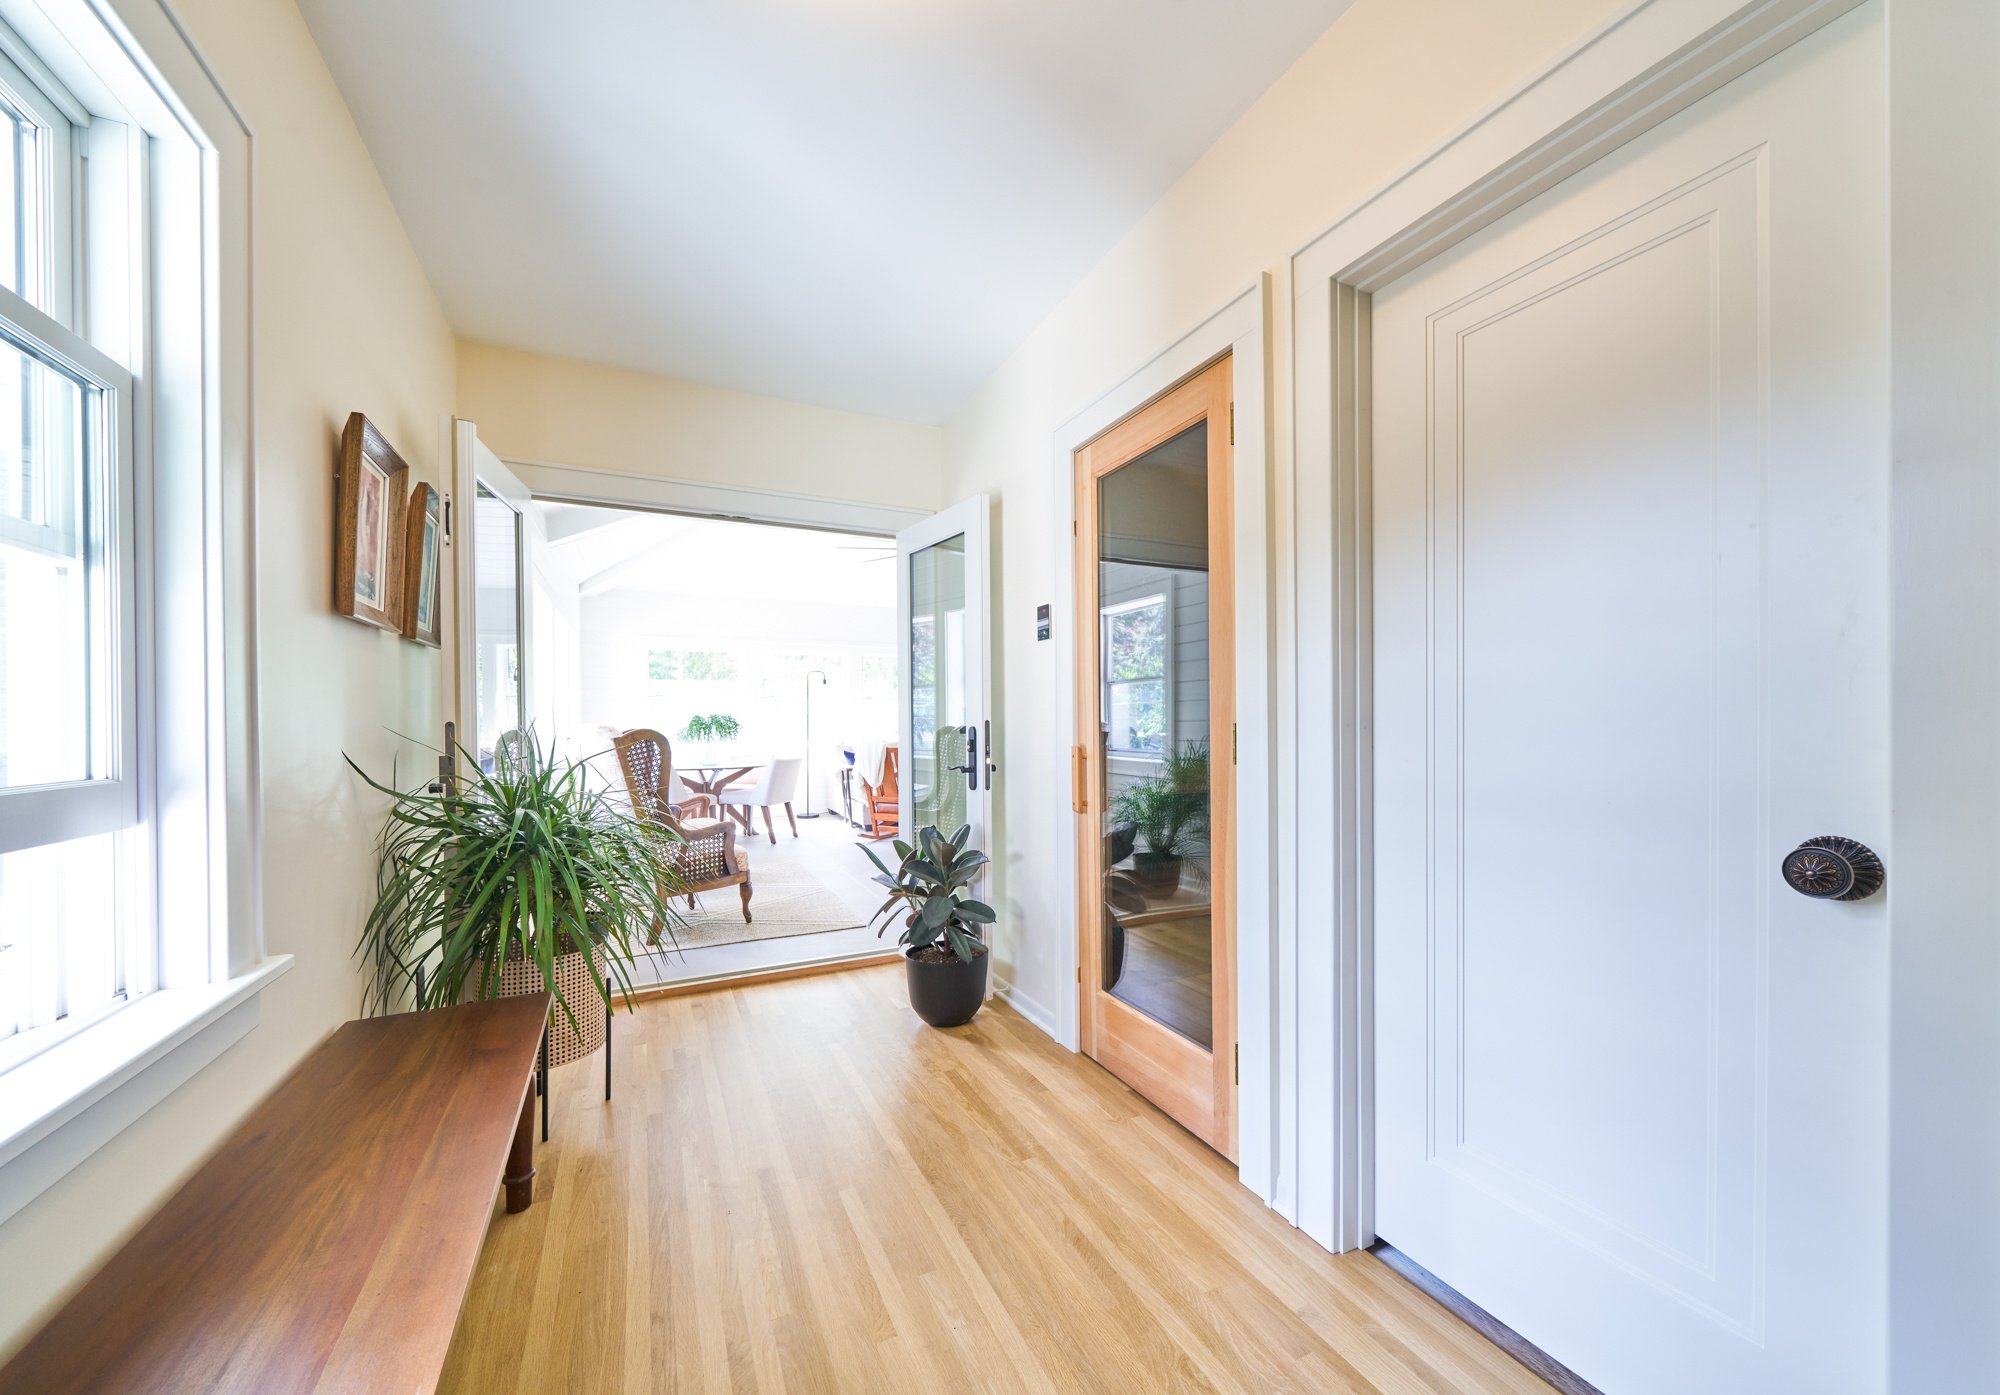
(800, 1188)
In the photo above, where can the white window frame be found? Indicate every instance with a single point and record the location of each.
(169, 156)
(105, 540)
(1164, 599)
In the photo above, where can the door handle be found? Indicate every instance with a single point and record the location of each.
(971, 767)
(1830, 868)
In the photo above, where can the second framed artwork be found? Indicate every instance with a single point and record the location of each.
(423, 541)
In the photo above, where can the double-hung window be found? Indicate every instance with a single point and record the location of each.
(1134, 664)
(75, 930)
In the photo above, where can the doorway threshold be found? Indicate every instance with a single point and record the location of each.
(691, 970)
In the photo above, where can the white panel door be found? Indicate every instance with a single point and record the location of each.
(945, 751)
(1630, 478)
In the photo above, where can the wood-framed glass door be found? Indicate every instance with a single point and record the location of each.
(1154, 787)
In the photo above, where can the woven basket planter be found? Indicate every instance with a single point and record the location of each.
(520, 977)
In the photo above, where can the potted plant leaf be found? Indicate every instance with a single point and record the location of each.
(715, 726)
(513, 881)
(944, 958)
(1170, 810)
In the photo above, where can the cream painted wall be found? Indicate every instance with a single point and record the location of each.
(1387, 84)
(553, 411)
(344, 320)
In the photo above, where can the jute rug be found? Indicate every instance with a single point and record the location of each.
(785, 899)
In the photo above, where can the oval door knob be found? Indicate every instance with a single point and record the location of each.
(1834, 869)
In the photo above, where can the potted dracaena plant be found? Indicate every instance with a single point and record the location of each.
(944, 958)
(511, 881)
(1170, 808)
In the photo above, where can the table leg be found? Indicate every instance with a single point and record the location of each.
(520, 1175)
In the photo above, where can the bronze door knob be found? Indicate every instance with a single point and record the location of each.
(1833, 869)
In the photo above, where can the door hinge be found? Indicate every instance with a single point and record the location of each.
(1232, 743)
(1239, 1063)
(1232, 423)
(1079, 973)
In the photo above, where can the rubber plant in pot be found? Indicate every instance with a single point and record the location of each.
(512, 881)
(1170, 809)
(944, 958)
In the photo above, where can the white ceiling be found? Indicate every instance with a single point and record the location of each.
(615, 550)
(859, 203)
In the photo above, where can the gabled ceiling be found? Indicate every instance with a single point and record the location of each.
(608, 550)
(863, 204)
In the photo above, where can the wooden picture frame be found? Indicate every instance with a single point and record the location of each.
(423, 560)
(370, 483)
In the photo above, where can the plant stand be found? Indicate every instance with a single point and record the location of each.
(542, 1066)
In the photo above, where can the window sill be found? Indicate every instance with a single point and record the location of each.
(64, 1104)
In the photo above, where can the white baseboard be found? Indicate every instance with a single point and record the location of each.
(1027, 1007)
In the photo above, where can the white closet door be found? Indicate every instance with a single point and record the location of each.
(1630, 650)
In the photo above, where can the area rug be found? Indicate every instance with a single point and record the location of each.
(785, 899)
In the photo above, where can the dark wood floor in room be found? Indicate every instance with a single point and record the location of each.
(800, 1188)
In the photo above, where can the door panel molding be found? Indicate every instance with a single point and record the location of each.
(1700, 248)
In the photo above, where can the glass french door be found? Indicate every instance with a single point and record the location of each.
(490, 637)
(1153, 784)
(945, 750)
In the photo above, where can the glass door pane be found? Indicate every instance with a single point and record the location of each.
(496, 557)
(939, 718)
(1153, 739)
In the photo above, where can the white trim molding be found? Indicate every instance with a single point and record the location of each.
(195, 508)
(1240, 329)
(579, 484)
(71, 1100)
(1655, 58)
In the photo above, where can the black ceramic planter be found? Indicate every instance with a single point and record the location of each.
(946, 994)
(1156, 873)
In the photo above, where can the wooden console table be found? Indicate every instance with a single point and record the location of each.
(328, 1245)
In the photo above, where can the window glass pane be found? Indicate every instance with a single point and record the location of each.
(496, 562)
(59, 943)
(1138, 642)
(54, 712)
(29, 155)
(1138, 715)
(18, 142)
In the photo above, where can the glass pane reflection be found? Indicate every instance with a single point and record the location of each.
(1153, 769)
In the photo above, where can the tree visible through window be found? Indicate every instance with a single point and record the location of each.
(691, 665)
(1135, 675)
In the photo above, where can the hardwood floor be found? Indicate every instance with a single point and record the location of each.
(801, 1188)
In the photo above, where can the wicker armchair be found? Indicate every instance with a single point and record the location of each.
(702, 854)
(682, 802)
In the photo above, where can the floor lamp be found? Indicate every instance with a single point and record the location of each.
(812, 800)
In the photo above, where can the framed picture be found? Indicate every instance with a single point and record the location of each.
(423, 544)
(370, 482)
